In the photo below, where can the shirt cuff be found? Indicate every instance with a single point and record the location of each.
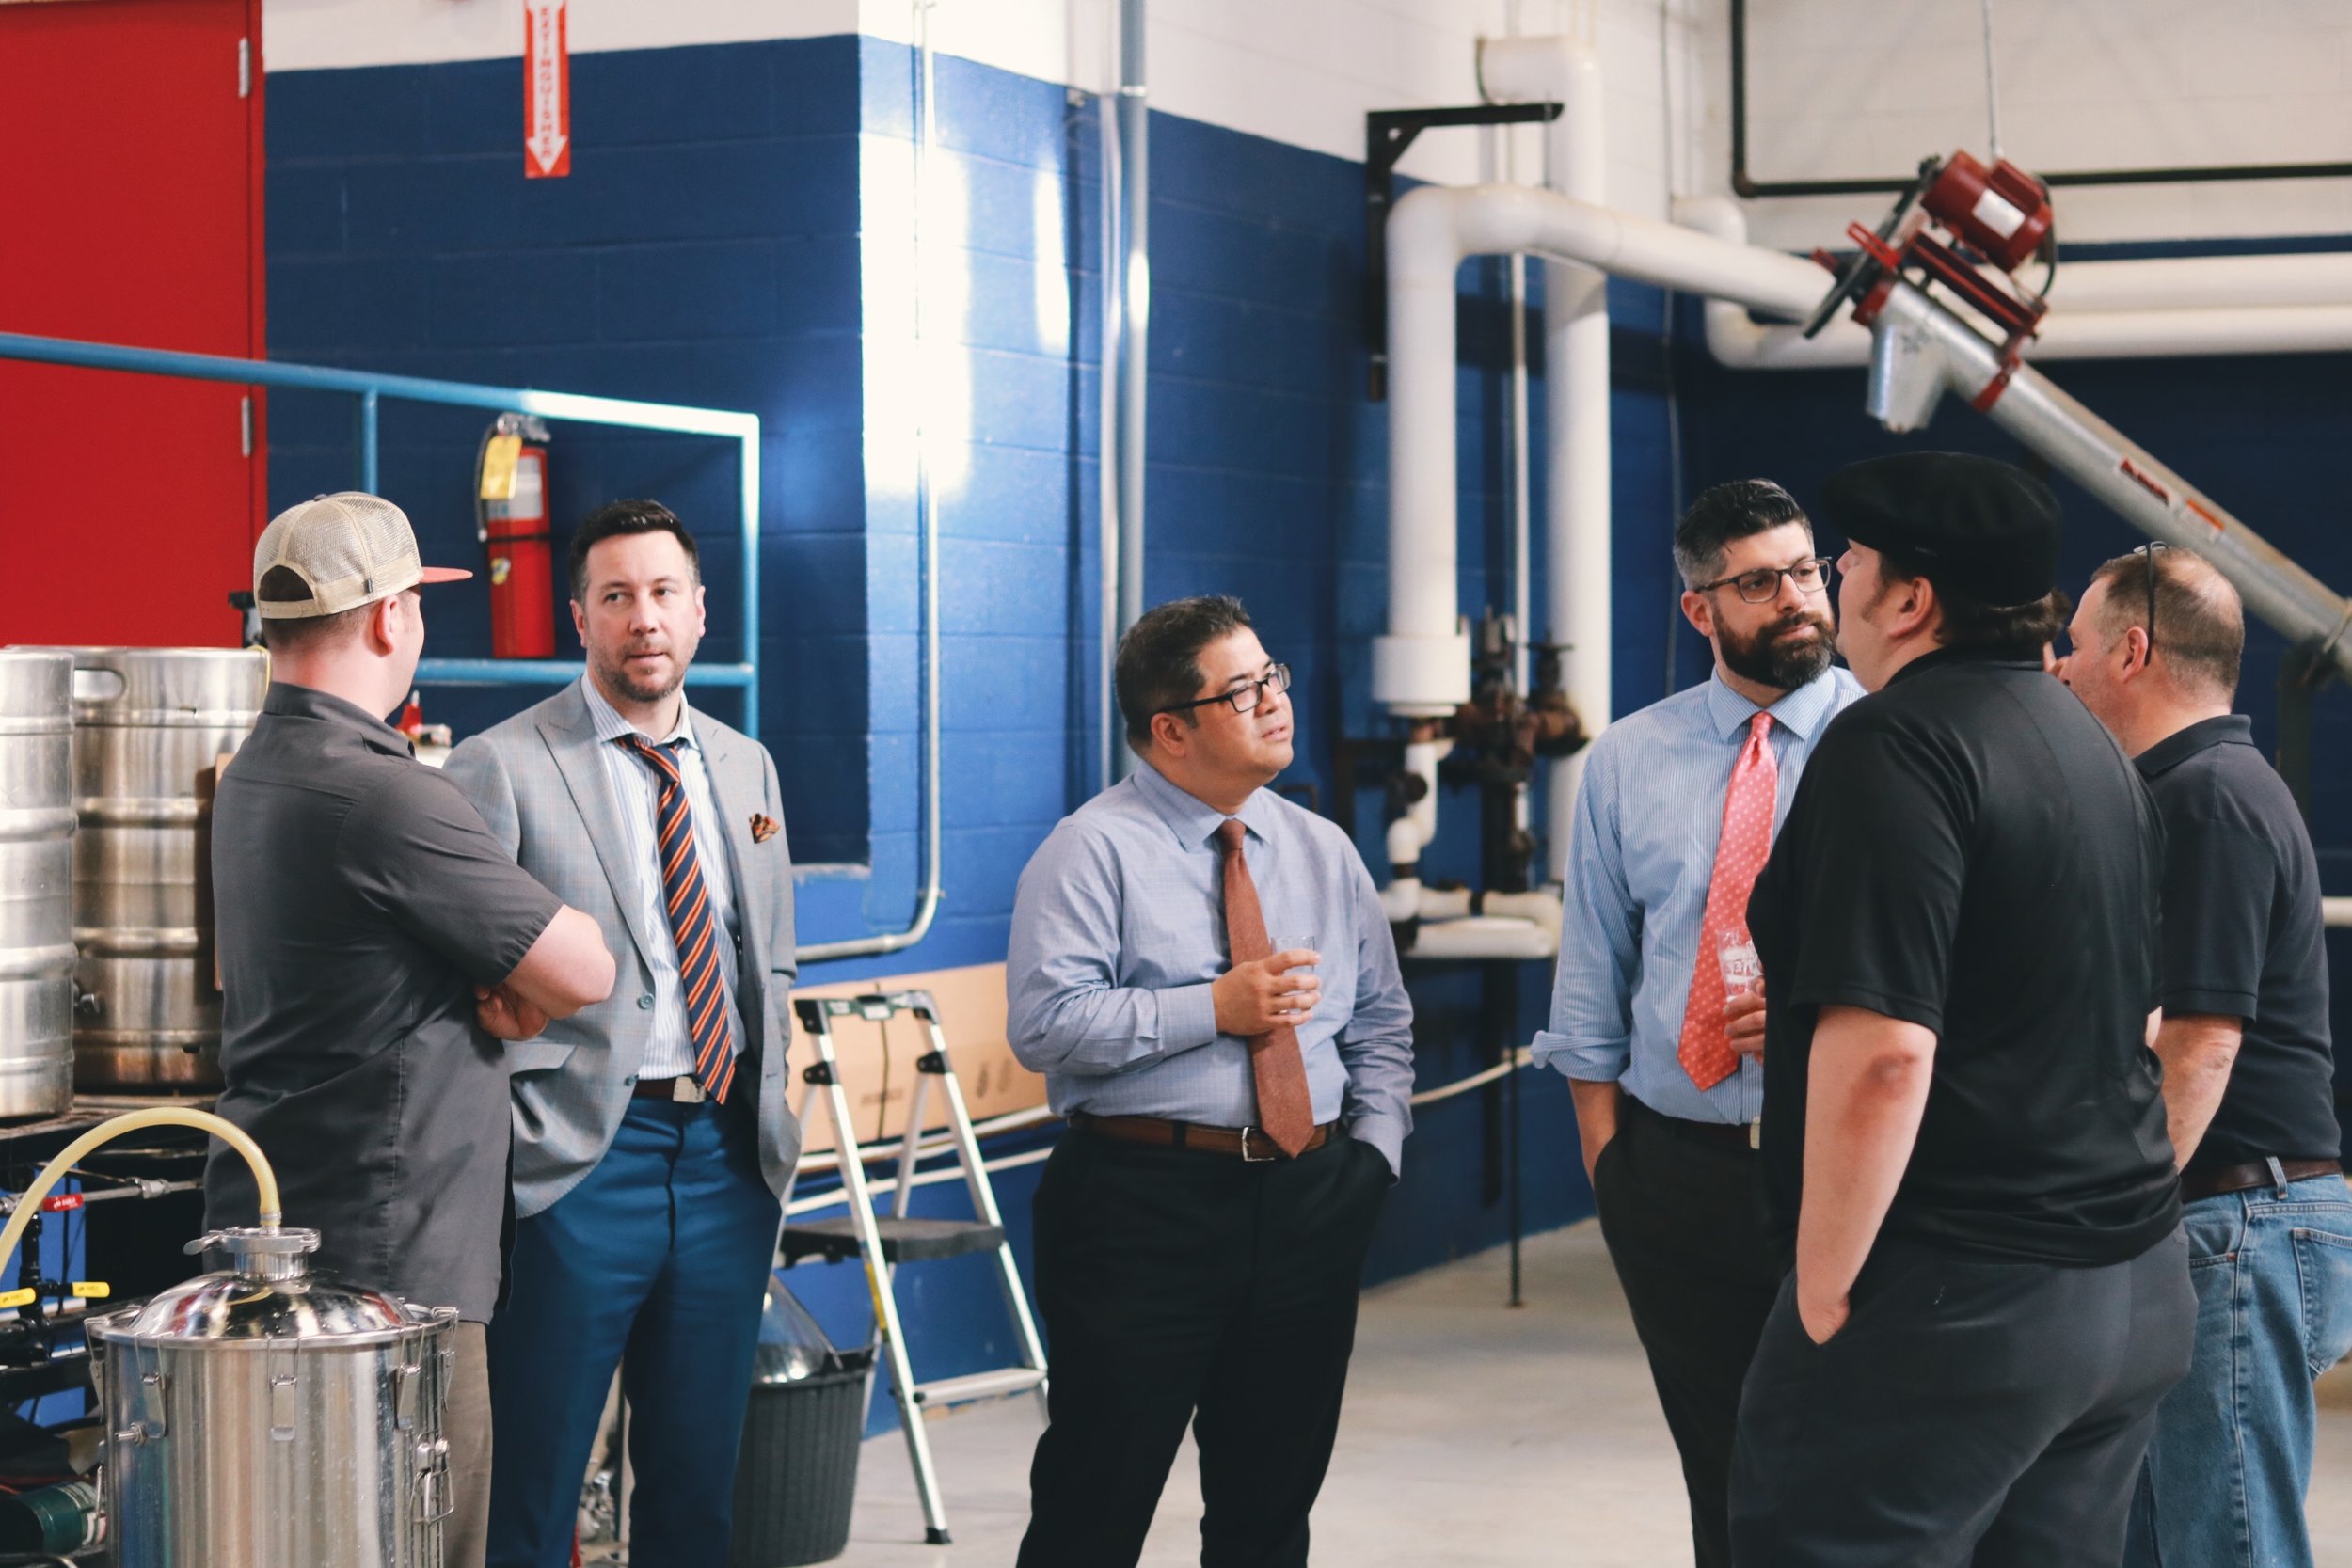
(1384, 1133)
(1590, 1061)
(1187, 1017)
(2180, 1000)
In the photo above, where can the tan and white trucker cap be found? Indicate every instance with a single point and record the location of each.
(351, 549)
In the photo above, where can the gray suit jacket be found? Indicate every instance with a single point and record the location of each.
(539, 782)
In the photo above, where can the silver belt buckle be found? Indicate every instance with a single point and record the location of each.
(686, 1089)
(1250, 1159)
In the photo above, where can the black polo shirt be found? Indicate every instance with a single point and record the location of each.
(357, 898)
(1970, 851)
(2243, 938)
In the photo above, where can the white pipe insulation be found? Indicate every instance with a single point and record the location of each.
(1578, 476)
(1420, 668)
(2169, 307)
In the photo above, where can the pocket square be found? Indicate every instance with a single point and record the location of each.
(763, 827)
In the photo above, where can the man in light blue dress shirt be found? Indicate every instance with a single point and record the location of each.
(1188, 1270)
(1671, 1161)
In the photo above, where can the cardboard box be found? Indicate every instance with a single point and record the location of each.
(877, 1060)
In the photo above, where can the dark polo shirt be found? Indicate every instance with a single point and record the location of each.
(358, 898)
(2243, 938)
(1970, 851)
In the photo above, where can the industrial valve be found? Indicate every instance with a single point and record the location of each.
(1997, 218)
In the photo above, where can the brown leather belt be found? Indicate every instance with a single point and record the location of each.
(2241, 1178)
(1251, 1143)
(682, 1090)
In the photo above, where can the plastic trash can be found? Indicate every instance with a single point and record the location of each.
(796, 1473)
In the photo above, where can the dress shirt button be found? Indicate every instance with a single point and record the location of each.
(646, 1001)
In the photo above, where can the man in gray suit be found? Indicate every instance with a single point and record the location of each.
(651, 1133)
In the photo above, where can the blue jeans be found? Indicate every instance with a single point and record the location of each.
(2224, 1481)
(658, 1262)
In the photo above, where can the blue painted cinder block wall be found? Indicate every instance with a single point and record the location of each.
(703, 251)
(708, 251)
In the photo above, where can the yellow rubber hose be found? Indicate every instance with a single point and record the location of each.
(28, 1201)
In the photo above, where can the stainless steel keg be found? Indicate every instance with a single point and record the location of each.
(148, 725)
(270, 1418)
(35, 884)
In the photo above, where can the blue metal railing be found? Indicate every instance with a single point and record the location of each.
(369, 387)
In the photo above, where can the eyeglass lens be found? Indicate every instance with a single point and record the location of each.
(1761, 584)
(1247, 697)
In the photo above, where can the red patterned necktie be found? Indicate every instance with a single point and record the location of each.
(1285, 1111)
(687, 898)
(1705, 1051)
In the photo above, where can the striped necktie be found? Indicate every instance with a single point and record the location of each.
(696, 933)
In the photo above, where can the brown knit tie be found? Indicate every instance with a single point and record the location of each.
(1285, 1112)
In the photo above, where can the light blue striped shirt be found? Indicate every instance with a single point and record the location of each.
(1119, 930)
(669, 1049)
(1648, 815)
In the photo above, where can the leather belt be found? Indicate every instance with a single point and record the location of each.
(685, 1089)
(1739, 1137)
(1251, 1143)
(2241, 1178)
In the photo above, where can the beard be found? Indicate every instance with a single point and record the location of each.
(613, 673)
(1783, 663)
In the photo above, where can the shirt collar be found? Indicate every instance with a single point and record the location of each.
(1801, 711)
(1935, 656)
(309, 701)
(611, 726)
(2229, 729)
(1193, 821)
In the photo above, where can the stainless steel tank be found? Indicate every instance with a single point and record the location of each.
(269, 1417)
(148, 725)
(35, 884)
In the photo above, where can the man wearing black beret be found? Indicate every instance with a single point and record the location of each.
(1963, 1140)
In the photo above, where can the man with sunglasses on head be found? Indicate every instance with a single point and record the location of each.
(2249, 1068)
(1203, 972)
(1652, 1020)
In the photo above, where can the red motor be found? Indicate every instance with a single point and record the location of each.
(2003, 211)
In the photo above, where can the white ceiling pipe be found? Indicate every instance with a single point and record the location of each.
(2192, 306)
(1422, 667)
(1578, 566)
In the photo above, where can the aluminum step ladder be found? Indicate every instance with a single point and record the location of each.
(883, 1241)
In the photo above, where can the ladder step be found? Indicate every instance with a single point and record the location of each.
(978, 1385)
(903, 1240)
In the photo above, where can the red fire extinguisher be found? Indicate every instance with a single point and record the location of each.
(511, 518)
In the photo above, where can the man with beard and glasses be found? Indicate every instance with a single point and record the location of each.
(1672, 821)
(651, 1133)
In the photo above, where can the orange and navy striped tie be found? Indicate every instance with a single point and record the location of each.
(688, 899)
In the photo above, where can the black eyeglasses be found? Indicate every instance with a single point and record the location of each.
(1763, 583)
(1243, 698)
(2149, 549)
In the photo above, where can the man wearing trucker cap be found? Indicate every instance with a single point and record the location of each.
(372, 937)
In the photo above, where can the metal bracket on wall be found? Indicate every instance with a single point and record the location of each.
(1387, 133)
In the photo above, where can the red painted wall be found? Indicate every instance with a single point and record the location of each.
(131, 184)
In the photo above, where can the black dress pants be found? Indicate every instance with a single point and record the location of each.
(1181, 1287)
(1686, 1230)
(1970, 1412)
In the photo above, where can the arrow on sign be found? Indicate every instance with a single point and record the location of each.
(547, 90)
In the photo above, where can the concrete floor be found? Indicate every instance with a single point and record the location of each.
(1475, 1437)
